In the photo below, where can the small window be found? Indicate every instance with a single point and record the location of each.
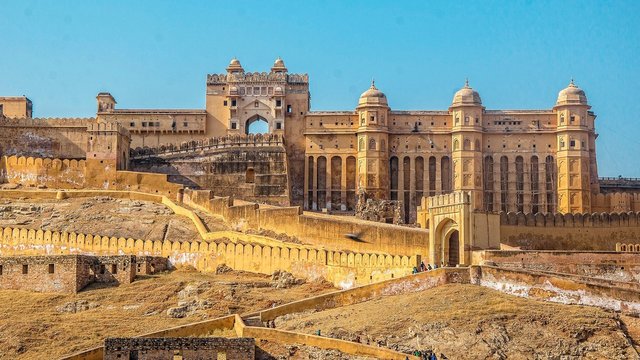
(132, 124)
(256, 104)
(278, 103)
(279, 126)
(185, 124)
(289, 109)
(250, 176)
(234, 126)
(51, 268)
(572, 143)
(144, 124)
(572, 118)
(0, 269)
(224, 103)
(114, 268)
(25, 269)
(102, 269)
(234, 102)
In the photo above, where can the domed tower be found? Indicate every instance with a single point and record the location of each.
(235, 67)
(278, 66)
(373, 137)
(466, 136)
(576, 166)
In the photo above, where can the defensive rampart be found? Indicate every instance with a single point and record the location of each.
(597, 231)
(312, 228)
(607, 265)
(44, 138)
(73, 174)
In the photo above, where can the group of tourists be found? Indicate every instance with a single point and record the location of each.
(426, 355)
(427, 267)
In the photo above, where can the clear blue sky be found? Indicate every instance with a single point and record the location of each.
(156, 54)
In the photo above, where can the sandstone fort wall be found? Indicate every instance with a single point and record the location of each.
(340, 267)
(81, 174)
(44, 138)
(316, 229)
(597, 231)
(616, 266)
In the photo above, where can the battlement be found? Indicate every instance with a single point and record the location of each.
(257, 77)
(221, 142)
(109, 127)
(605, 219)
(454, 198)
(43, 163)
(46, 122)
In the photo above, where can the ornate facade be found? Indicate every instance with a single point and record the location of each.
(510, 160)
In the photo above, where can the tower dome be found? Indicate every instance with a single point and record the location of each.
(278, 66)
(466, 96)
(571, 95)
(373, 96)
(235, 66)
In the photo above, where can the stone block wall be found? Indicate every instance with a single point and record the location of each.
(183, 348)
(42, 273)
(317, 229)
(44, 138)
(64, 273)
(601, 264)
(249, 167)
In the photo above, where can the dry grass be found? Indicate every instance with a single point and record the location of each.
(471, 322)
(32, 328)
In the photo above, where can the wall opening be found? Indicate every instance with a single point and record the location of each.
(51, 268)
(114, 269)
(257, 125)
(250, 176)
(454, 248)
(25, 269)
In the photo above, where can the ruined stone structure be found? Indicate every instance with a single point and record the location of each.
(64, 273)
(179, 348)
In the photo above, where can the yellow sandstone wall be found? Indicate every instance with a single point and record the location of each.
(344, 269)
(81, 174)
(317, 229)
(597, 231)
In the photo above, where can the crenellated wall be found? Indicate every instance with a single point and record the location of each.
(81, 174)
(597, 231)
(53, 173)
(313, 228)
(343, 268)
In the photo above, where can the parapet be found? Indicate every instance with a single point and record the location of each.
(168, 348)
(605, 219)
(108, 127)
(221, 79)
(229, 141)
(46, 122)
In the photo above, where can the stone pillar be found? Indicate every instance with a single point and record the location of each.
(401, 178)
(343, 187)
(438, 175)
(412, 189)
(306, 183)
(315, 184)
(327, 199)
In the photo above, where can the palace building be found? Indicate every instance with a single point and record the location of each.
(509, 160)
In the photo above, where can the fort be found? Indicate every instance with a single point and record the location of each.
(364, 199)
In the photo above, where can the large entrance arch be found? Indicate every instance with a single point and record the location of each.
(256, 125)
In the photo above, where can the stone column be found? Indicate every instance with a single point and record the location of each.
(315, 184)
(343, 187)
(401, 178)
(306, 183)
(327, 199)
(412, 188)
